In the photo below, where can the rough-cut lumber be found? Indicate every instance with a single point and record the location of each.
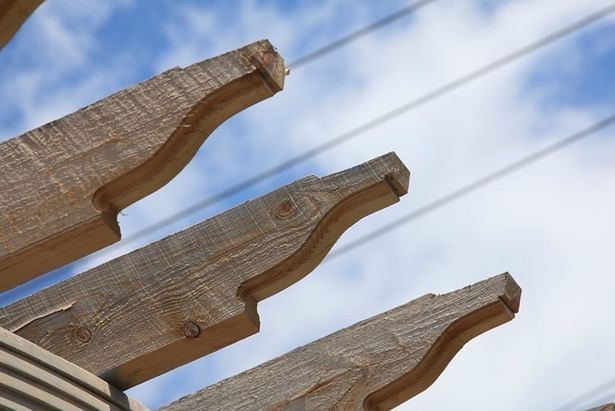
(185, 296)
(34, 379)
(375, 364)
(13, 13)
(62, 184)
(605, 407)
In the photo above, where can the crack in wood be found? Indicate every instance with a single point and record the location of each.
(42, 316)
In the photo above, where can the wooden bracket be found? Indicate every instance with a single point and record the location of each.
(192, 293)
(63, 184)
(376, 364)
(13, 13)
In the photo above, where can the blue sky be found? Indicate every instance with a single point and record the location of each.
(551, 225)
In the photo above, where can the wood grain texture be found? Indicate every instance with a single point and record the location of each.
(62, 184)
(13, 13)
(34, 379)
(375, 364)
(187, 295)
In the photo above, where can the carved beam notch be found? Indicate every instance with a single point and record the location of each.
(376, 364)
(194, 292)
(63, 184)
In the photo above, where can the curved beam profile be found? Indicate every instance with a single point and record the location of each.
(376, 364)
(13, 13)
(63, 184)
(192, 293)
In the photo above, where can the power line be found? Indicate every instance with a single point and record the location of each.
(316, 54)
(474, 186)
(301, 61)
(390, 115)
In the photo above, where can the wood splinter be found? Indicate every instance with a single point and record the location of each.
(192, 293)
(63, 183)
(376, 364)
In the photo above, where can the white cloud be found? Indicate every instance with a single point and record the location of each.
(542, 224)
(51, 65)
(551, 225)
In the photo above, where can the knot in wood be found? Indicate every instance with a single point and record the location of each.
(284, 209)
(192, 329)
(83, 334)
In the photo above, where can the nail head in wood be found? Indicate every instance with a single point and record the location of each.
(375, 364)
(192, 329)
(215, 271)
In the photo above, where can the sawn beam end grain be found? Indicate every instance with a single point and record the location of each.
(376, 364)
(62, 184)
(192, 293)
(13, 13)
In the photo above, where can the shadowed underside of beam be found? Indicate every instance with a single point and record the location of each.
(13, 13)
(375, 364)
(63, 183)
(192, 293)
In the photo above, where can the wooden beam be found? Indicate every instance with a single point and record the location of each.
(62, 184)
(13, 13)
(34, 379)
(376, 364)
(185, 296)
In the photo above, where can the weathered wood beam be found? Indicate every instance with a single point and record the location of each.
(185, 296)
(62, 184)
(34, 379)
(13, 13)
(375, 364)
